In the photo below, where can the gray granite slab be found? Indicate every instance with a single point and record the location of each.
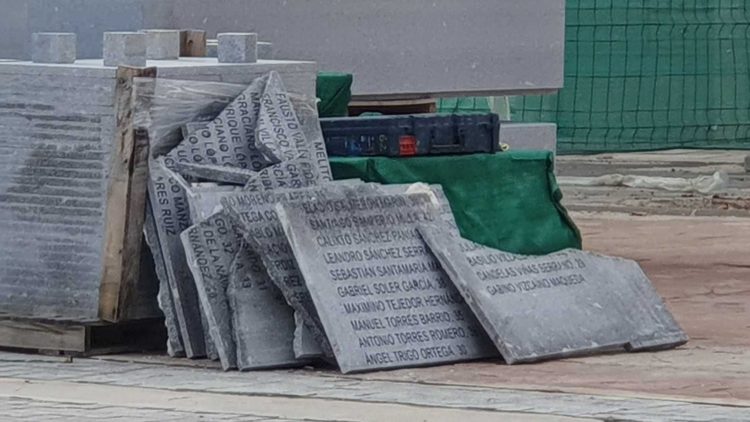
(205, 199)
(256, 218)
(175, 348)
(263, 322)
(557, 305)
(290, 174)
(382, 298)
(209, 248)
(168, 199)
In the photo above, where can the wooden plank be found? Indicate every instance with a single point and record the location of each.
(126, 198)
(402, 106)
(29, 334)
(192, 43)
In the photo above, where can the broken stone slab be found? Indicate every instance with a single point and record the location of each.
(254, 215)
(175, 347)
(229, 139)
(209, 249)
(168, 200)
(291, 174)
(204, 199)
(289, 127)
(263, 322)
(557, 305)
(212, 238)
(214, 173)
(382, 298)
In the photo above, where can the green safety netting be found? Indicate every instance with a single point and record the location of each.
(650, 74)
(509, 201)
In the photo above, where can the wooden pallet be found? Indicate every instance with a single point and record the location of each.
(407, 106)
(81, 339)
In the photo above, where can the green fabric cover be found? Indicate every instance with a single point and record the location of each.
(509, 201)
(335, 91)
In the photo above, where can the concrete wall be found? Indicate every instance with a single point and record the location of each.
(393, 47)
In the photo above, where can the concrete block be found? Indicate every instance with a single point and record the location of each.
(529, 136)
(238, 47)
(162, 44)
(124, 48)
(53, 47)
(265, 50)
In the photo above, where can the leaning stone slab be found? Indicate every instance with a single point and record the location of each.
(262, 320)
(291, 174)
(175, 347)
(382, 298)
(210, 247)
(558, 305)
(169, 206)
(255, 217)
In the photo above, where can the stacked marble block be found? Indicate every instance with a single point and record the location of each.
(59, 145)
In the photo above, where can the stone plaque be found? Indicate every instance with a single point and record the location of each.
(291, 174)
(255, 216)
(557, 305)
(281, 134)
(210, 247)
(382, 298)
(171, 213)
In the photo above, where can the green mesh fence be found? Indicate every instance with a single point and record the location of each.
(650, 74)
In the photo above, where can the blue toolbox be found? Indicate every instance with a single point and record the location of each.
(409, 135)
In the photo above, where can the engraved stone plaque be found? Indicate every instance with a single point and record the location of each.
(562, 304)
(382, 298)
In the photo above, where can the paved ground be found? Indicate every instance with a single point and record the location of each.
(700, 264)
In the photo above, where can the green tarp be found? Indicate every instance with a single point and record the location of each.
(334, 91)
(509, 201)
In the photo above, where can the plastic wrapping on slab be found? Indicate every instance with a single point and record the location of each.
(164, 106)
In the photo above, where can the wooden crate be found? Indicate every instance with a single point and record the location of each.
(81, 338)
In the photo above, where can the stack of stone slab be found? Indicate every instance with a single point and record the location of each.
(75, 172)
(273, 264)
